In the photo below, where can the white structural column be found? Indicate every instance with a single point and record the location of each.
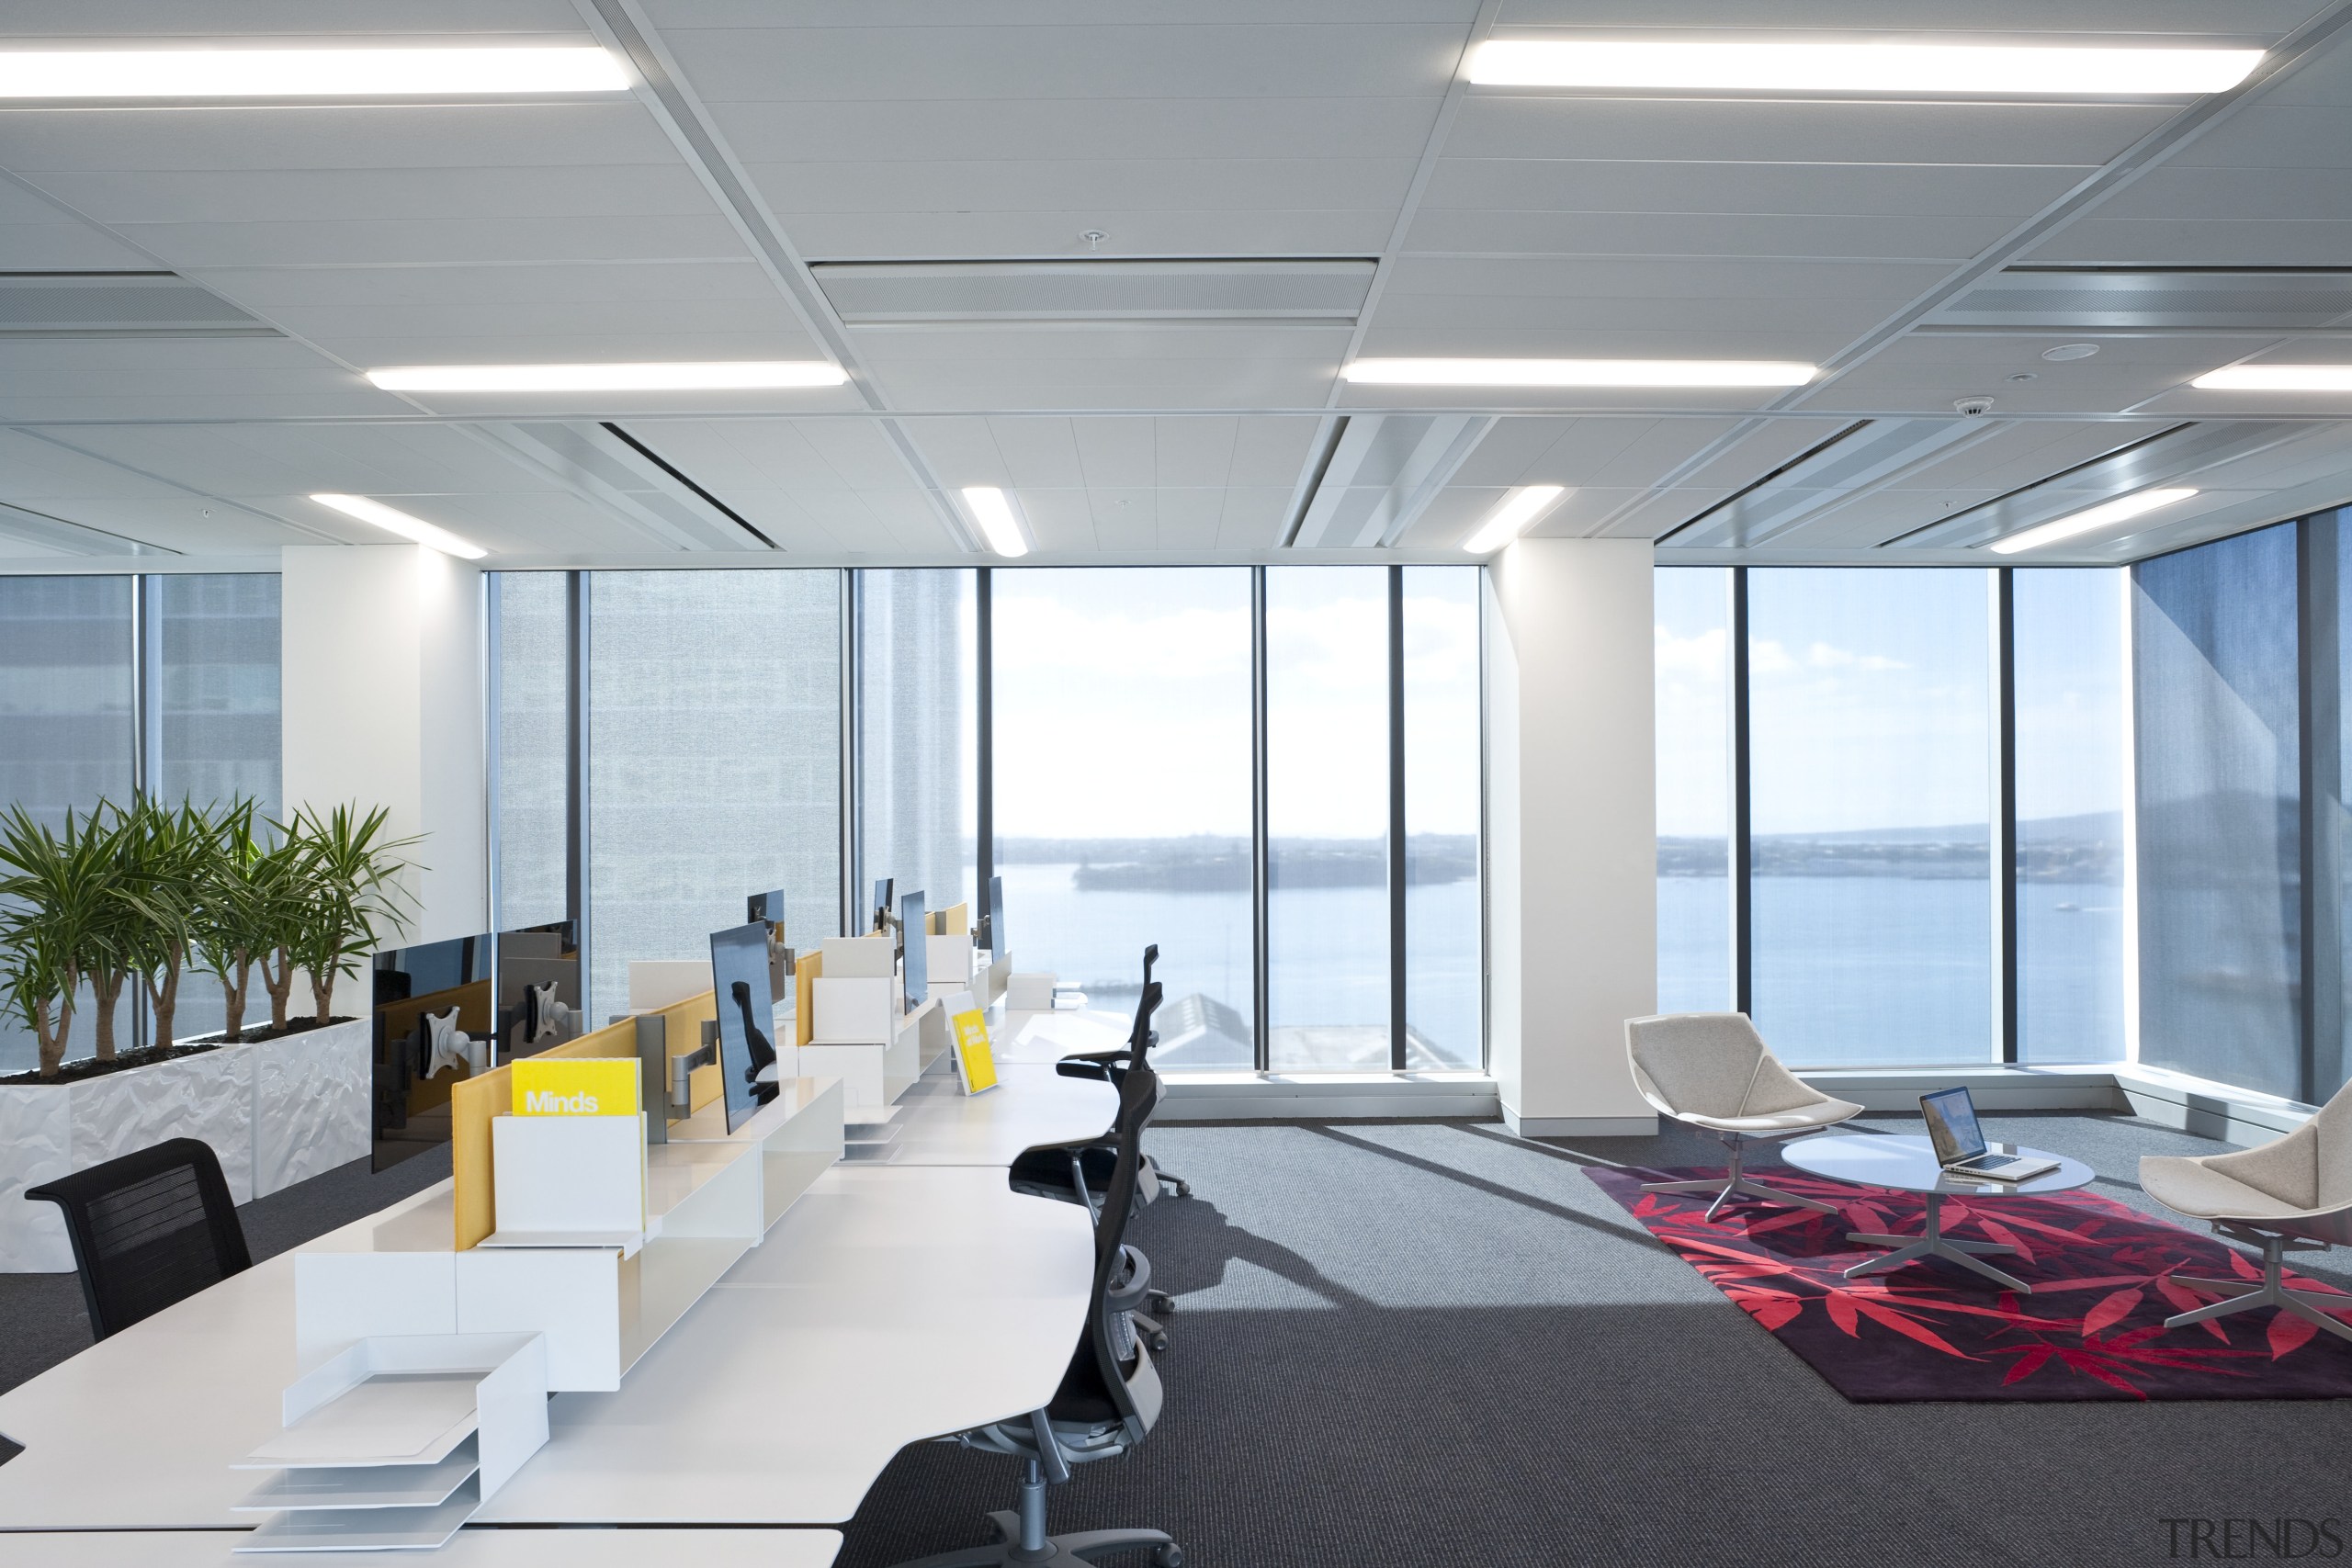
(1572, 820)
(383, 706)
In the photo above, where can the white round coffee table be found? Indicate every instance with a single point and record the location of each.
(1905, 1164)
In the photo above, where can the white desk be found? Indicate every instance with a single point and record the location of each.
(472, 1549)
(1032, 1105)
(776, 1400)
(1049, 1036)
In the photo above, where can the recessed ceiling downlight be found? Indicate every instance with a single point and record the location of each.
(718, 376)
(1506, 522)
(1577, 373)
(997, 523)
(2277, 378)
(393, 521)
(2122, 509)
(262, 72)
(1759, 66)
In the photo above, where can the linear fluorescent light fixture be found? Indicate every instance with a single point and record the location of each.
(1510, 519)
(1737, 65)
(1577, 373)
(2120, 510)
(2278, 379)
(400, 523)
(719, 376)
(997, 522)
(305, 72)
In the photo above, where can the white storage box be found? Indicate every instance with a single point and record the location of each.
(852, 1011)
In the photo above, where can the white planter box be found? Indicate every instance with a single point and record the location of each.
(276, 1112)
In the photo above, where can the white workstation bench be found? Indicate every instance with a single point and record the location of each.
(774, 1403)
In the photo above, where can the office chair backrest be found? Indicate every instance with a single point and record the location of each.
(1097, 1371)
(149, 1229)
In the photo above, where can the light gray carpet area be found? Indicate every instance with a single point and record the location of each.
(1433, 1344)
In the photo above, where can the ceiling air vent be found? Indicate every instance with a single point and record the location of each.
(117, 304)
(873, 294)
(2064, 299)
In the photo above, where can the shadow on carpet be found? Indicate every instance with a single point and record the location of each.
(2104, 1276)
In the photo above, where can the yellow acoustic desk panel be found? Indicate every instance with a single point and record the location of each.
(803, 996)
(954, 920)
(475, 1102)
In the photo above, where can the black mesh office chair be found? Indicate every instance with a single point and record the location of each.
(1048, 1170)
(149, 1229)
(1109, 1398)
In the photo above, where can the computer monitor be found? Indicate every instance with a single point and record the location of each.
(540, 1005)
(998, 947)
(911, 926)
(747, 1061)
(882, 889)
(768, 906)
(411, 1098)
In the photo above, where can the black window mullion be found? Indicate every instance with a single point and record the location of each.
(984, 739)
(1400, 867)
(575, 817)
(2006, 869)
(1261, 861)
(1743, 902)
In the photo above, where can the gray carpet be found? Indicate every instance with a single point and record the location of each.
(1433, 1344)
(46, 1322)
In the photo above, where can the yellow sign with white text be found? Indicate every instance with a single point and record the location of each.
(975, 1061)
(578, 1085)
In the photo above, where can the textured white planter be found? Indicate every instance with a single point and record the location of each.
(311, 1095)
(274, 1112)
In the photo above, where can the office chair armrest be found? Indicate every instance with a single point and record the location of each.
(1095, 1065)
(1128, 1295)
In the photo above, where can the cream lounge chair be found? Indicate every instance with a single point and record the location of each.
(1713, 1071)
(2292, 1194)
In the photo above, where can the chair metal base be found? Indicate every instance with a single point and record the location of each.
(1933, 1243)
(2271, 1291)
(1736, 1180)
(1071, 1551)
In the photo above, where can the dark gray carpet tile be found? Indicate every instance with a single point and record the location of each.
(1434, 1343)
(45, 1320)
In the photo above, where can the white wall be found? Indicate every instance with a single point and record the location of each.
(382, 650)
(1572, 829)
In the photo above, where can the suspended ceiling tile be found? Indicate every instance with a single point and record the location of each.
(215, 139)
(1510, 125)
(1139, 128)
(1252, 517)
(1536, 231)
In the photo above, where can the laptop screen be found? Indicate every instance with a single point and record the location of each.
(1952, 1125)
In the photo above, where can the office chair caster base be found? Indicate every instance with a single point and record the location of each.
(1160, 1303)
(2247, 1296)
(1078, 1549)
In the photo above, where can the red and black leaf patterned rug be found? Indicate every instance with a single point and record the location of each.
(2104, 1278)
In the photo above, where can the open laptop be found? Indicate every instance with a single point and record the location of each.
(1960, 1142)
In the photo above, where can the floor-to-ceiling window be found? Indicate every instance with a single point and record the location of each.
(81, 659)
(2217, 726)
(714, 722)
(918, 732)
(1444, 787)
(1122, 743)
(1872, 768)
(1866, 804)
(2073, 784)
(1694, 789)
(1141, 733)
(216, 724)
(1328, 900)
(530, 628)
